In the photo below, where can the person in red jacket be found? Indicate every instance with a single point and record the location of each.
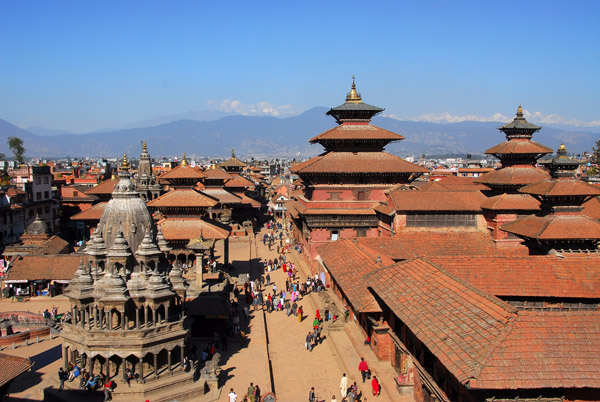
(376, 387)
(363, 368)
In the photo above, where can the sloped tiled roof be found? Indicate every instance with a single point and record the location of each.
(527, 276)
(514, 176)
(45, 267)
(561, 187)
(591, 208)
(94, 213)
(232, 162)
(192, 228)
(555, 227)
(519, 146)
(453, 183)
(104, 187)
(546, 350)
(356, 132)
(357, 162)
(458, 323)
(348, 262)
(222, 195)
(217, 173)
(12, 367)
(511, 202)
(182, 172)
(419, 200)
(249, 201)
(183, 197)
(239, 181)
(408, 244)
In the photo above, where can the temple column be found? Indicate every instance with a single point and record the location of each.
(182, 356)
(82, 317)
(141, 359)
(89, 364)
(146, 316)
(137, 318)
(66, 356)
(109, 320)
(155, 365)
(169, 361)
(124, 321)
(153, 317)
(167, 313)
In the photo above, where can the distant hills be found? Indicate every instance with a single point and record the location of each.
(262, 136)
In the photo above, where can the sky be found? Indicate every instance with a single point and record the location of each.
(89, 65)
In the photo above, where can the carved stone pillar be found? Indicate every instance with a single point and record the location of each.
(169, 361)
(155, 365)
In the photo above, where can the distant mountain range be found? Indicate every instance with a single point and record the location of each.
(262, 136)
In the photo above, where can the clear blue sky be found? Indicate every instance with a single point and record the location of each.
(85, 65)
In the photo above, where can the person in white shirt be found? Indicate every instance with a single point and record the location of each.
(232, 396)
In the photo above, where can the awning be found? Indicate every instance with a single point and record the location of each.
(17, 281)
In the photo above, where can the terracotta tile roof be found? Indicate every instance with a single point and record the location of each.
(527, 276)
(192, 228)
(223, 196)
(184, 197)
(453, 183)
(356, 132)
(105, 187)
(555, 227)
(45, 267)
(591, 208)
(357, 162)
(420, 200)
(12, 191)
(519, 146)
(514, 176)
(239, 181)
(511, 202)
(92, 214)
(546, 350)
(217, 173)
(348, 262)
(338, 211)
(384, 209)
(12, 367)
(182, 172)
(458, 323)
(408, 244)
(557, 188)
(54, 245)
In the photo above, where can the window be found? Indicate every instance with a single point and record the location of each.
(361, 195)
(440, 220)
(45, 179)
(361, 232)
(38, 180)
(334, 235)
(38, 195)
(47, 209)
(334, 195)
(39, 211)
(46, 194)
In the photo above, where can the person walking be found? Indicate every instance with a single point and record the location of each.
(308, 342)
(232, 396)
(295, 309)
(375, 386)
(363, 368)
(311, 395)
(250, 392)
(62, 376)
(344, 385)
(257, 394)
(300, 312)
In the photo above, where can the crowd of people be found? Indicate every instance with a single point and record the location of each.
(253, 394)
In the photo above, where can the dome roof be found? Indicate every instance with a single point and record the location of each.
(126, 213)
(37, 227)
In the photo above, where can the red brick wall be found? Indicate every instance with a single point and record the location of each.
(418, 395)
(385, 348)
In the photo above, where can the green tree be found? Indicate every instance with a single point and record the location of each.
(596, 154)
(16, 146)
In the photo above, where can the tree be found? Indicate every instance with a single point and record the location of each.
(596, 154)
(16, 146)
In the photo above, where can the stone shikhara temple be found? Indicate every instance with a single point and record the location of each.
(127, 302)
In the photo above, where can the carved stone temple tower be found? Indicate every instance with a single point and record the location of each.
(127, 301)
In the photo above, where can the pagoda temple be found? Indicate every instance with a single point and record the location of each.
(560, 224)
(518, 157)
(343, 185)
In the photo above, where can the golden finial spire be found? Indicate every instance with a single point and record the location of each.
(519, 112)
(353, 96)
(144, 147)
(183, 161)
(125, 164)
(232, 153)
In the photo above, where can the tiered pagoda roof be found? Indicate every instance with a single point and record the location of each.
(183, 197)
(357, 163)
(518, 155)
(182, 175)
(560, 224)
